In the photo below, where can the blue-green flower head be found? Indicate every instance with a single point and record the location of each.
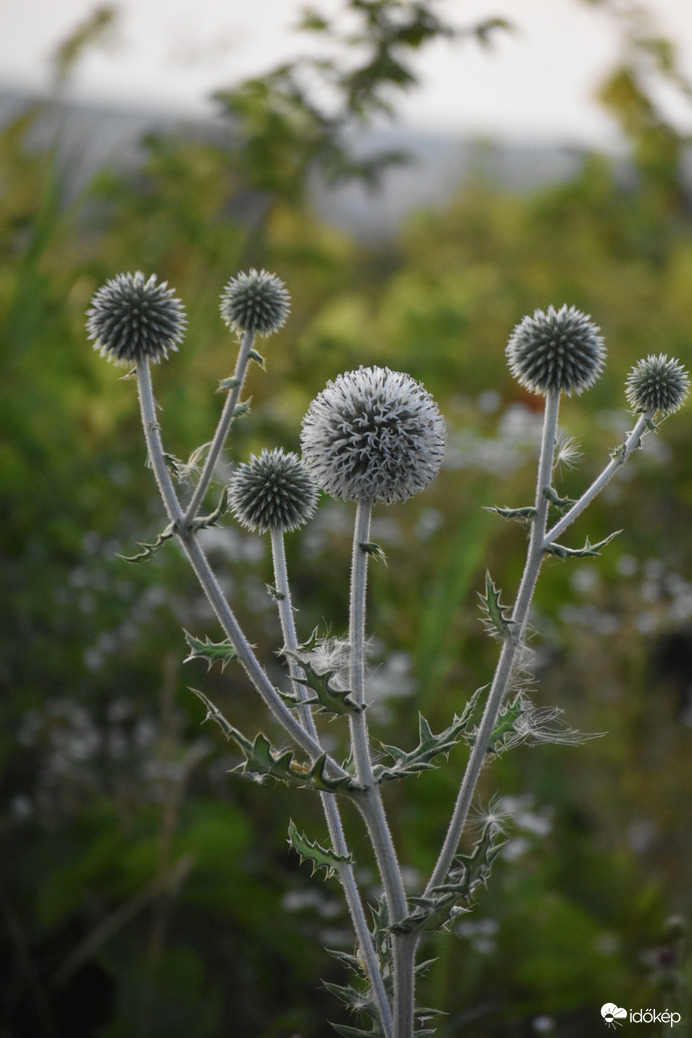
(657, 384)
(257, 303)
(133, 318)
(559, 350)
(272, 491)
(373, 434)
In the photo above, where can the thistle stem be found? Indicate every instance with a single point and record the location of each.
(210, 586)
(618, 459)
(369, 801)
(222, 428)
(513, 645)
(329, 803)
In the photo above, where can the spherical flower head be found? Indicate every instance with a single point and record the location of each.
(657, 384)
(257, 302)
(556, 350)
(373, 434)
(272, 492)
(133, 319)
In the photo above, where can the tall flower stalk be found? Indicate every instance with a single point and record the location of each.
(373, 436)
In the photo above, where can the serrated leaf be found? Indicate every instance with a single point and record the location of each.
(587, 551)
(278, 596)
(257, 357)
(498, 619)
(524, 514)
(205, 521)
(225, 384)
(263, 760)
(151, 549)
(326, 696)
(213, 652)
(420, 759)
(320, 857)
(505, 726)
(467, 873)
(561, 503)
(240, 409)
(374, 550)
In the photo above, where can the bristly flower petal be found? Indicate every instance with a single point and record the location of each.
(373, 434)
(132, 319)
(556, 350)
(657, 384)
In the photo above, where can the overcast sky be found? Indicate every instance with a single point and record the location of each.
(537, 82)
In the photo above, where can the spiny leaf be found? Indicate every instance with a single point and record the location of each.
(257, 357)
(522, 514)
(151, 549)
(429, 745)
(589, 549)
(374, 550)
(498, 620)
(320, 682)
(213, 652)
(262, 760)
(468, 872)
(226, 384)
(561, 503)
(505, 726)
(205, 521)
(278, 596)
(242, 408)
(319, 856)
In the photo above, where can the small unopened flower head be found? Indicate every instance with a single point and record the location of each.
(373, 434)
(556, 350)
(257, 302)
(272, 491)
(132, 319)
(657, 384)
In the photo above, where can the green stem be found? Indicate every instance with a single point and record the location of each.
(329, 804)
(222, 428)
(369, 801)
(511, 648)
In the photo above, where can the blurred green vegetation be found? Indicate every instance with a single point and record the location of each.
(146, 892)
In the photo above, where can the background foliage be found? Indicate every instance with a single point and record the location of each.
(143, 890)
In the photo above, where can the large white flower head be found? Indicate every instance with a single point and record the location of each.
(373, 434)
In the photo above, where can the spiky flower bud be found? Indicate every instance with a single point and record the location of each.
(373, 434)
(657, 384)
(133, 319)
(556, 350)
(257, 302)
(272, 491)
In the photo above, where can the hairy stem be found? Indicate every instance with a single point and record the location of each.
(512, 647)
(224, 425)
(369, 802)
(210, 586)
(329, 803)
(618, 459)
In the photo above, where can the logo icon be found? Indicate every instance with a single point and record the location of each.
(612, 1015)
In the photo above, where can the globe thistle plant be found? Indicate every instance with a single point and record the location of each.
(132, 319)
(556, 350)
(257, 303)
(657, 384)
(272, 492)
(373, 434)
